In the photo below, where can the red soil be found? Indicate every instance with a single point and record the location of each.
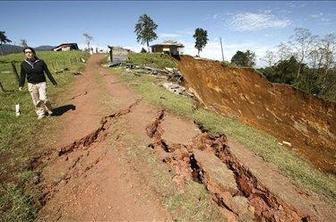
(307, 122)
(88, 177)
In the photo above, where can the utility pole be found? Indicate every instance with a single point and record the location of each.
(221, 48)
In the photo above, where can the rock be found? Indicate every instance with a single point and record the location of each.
(240, 206)
(169, 69)
(173, 87)
(217, 177)
(287, 143)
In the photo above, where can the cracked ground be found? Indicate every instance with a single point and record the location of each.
(88, 176)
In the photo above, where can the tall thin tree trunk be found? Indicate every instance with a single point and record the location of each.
(1, 49)
(148, 50)
(299, 69)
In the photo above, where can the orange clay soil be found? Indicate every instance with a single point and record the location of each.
(307, 122)
(87, 175)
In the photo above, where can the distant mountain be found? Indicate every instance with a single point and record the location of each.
(44, 48)
(7, 49)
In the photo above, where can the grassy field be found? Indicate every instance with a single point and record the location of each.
(23, 137)
(258, 141)
(156, 60)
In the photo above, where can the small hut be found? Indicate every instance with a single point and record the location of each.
(118, 54)
(168, 47)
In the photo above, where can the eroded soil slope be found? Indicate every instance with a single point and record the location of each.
(95, 172)
(305, 121)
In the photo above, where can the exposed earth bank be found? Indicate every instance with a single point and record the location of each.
(90, 176)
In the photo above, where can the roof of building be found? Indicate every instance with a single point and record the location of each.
(118, 47)
(169, 43)
(67, 44)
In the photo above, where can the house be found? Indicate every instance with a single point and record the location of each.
(169, 47)
(118, 54)
(66, 47)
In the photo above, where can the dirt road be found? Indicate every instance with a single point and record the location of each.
(90, 177)
(95, 183)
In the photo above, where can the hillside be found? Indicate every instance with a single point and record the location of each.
(8, 48)
(306, 122)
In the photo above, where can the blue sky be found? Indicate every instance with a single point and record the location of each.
(254, 25)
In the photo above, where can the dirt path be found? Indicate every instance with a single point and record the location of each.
(94, 183)
(89, 177)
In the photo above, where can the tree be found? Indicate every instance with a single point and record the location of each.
(251, 57)
(302, 40)
(269, 58)
(327, 50)
(88, 40)
(284, 51)
(145, 30)
(201, 39)
(245, 59)
(3, 40)
(23, 43)
(283, 72)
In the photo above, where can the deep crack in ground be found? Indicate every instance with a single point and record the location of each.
(234, 188)
(83, 143)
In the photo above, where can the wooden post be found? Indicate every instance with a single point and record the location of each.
(15, 71)
(111, 54)
(221, 48)
(2, 88)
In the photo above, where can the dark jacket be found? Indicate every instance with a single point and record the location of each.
(35, 72)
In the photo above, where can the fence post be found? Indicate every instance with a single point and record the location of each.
(15, 71)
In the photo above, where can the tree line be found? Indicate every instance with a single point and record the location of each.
(306, 62)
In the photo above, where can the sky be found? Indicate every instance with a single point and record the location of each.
(254, 25)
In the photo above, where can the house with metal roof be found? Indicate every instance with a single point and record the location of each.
(169, 47)
(66, 47)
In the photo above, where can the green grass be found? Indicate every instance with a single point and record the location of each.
(256, 140)
(23, 137)
(156, 60)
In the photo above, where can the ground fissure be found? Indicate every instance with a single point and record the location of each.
(91, 178)
(242, 197)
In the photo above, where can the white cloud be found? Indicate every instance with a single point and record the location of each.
(323, 18)
(317, 15)
(168, 35)
(296, 4)
(249, 21)
(185, 33)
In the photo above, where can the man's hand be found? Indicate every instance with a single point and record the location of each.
(20, 88)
